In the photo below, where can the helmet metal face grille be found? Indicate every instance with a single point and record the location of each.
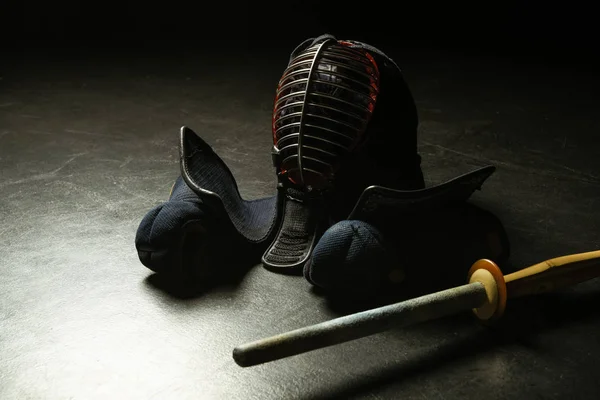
(323, 104)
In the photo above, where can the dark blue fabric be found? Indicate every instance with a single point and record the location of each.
(206, 171)
(162, 231)
(351, 255)
(204, 219)
(182, 192)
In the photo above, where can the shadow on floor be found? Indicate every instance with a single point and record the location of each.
(180, 289)
(525, 319)
(204, 270)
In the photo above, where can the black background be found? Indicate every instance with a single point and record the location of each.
(559, 30)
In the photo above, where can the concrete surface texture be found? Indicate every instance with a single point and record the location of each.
(88, 145)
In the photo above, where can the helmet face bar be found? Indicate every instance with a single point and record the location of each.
(323, 104)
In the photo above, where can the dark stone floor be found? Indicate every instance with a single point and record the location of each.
(88, 144)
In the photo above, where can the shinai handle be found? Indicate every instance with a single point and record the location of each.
(553, 274)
